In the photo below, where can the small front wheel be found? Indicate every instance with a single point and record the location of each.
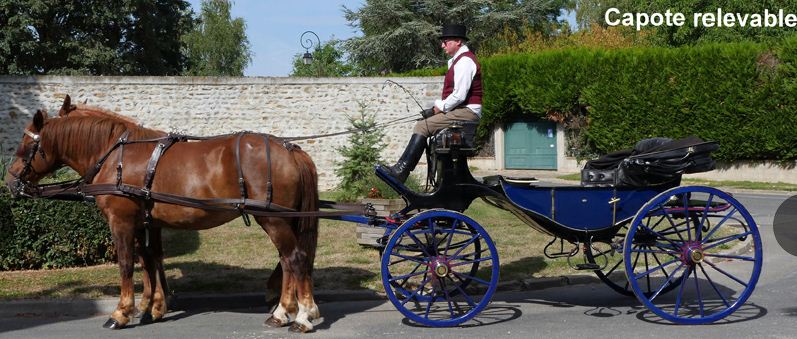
(440, 268)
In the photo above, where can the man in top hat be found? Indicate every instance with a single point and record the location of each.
(461, 99)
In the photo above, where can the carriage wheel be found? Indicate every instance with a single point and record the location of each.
(609, 256)
(711, 248)
(440, 268)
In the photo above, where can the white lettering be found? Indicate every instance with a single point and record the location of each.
(791, 20)
(656, 19)
(708, 20)
(729, 20)
(608, 20)
(770, 20)
(678, 19)
(755, 20)
(743, 19)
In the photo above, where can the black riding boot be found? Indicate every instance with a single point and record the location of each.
(412, 154)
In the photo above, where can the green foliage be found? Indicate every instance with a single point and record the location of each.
(399, 36)
(360, 155)
(38, 233)
(93, 37)
(328, 61)
(218, 45)
(739, 94)
(592, 11)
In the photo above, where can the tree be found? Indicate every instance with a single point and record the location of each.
(594, 10)
(218, 45)
(401, 35)
(93, 37)
(328, 61)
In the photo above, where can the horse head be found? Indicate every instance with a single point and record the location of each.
(33, 158)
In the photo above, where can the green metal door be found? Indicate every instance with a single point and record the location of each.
(530, 145)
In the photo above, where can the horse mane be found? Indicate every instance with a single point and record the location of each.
(104, 113)
(90, 135)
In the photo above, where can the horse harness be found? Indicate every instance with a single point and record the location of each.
(83, 189)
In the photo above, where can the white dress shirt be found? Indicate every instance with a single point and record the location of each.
(464, 71)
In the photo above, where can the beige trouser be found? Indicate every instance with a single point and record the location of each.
(429, 126)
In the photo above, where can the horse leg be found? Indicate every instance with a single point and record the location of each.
(160, 296)
(153, 303)
(274, 285)
(124, 239)
(148, 277)
(283, 238)
(303, 259)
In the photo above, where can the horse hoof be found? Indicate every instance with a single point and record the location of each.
(146, 318)
(113, 324)
(298, 328)
(273, 322)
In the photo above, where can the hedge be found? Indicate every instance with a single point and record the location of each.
(740, 94)
(38, 233)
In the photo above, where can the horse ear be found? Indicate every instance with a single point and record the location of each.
(65, 107)
(38, 120)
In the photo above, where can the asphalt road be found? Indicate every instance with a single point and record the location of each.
(571, 311)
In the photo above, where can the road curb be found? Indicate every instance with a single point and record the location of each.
(105, 306)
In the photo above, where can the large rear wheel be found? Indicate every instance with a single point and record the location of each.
(710, 247)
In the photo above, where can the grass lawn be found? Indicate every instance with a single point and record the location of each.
(234, 258)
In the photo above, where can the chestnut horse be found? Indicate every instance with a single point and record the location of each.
(199, 169)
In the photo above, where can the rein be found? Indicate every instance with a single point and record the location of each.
(83, 190)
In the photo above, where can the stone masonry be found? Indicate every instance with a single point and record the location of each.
(216, 105)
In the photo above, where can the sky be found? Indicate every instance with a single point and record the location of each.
(274, 28)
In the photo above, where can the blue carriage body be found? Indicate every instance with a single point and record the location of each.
(578, 207)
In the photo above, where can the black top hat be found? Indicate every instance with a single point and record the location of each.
(454, 31)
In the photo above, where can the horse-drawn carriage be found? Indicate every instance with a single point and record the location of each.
(690, 254)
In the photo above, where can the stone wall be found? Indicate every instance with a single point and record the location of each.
(216, 105)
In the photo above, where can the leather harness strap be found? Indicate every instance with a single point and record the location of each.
(83, 189)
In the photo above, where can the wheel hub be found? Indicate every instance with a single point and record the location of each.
(439, 267)
(692, 253)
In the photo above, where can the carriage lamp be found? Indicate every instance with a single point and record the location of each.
(308, 43)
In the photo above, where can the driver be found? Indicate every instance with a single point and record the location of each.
(461, 99)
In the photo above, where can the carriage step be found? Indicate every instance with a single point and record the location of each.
(588, 266)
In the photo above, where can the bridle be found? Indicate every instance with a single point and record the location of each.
(20, 186)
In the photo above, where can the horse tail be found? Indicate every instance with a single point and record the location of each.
(307, 230)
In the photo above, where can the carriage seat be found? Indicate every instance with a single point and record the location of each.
(652, 162)
(458, 137)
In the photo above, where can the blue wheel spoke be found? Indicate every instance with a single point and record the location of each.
(474, 238)
(730, 256)
(415, 293)
(725, 301)
(686, 217)
(718, 225)
(448, 298)
(681, 290)
(429, 307)
(406, 258)
(667, 282)
(471, 261)
(471, 278)
(721, 241)
(661, 251)
(648, 272)
(406, 276)
(705, 212)
(726, 273)
(699, 297)
(468, 298)
(419, 243)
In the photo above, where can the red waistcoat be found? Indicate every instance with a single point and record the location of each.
(474, 95)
